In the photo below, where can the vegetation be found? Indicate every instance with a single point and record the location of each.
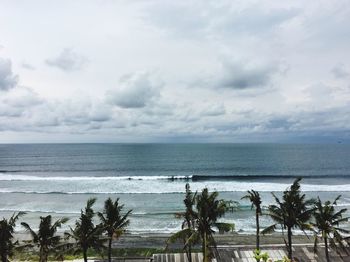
(293, 211)
(326, 225)
(200, 223)
(86, 234)
(259, 256)
(45, 239)
(113, 221)
(189, 224)
(7, 228)
(255, 199)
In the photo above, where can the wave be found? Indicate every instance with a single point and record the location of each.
(38, 211)
(178, 189)
(159, 184)
(7, 177)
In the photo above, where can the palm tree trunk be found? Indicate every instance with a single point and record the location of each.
(3, 257)
(41, 254)
(257, 231)
(205, 258)
(189, 253)
(326, 248)
(290, 251)
(110, 250)
(85, 254)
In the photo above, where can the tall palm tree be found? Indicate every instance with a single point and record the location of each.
(188, 225)
(327, 221)
(292, 212)
(86, 234)
(45, 239)
(7, 228)
(255, 199)
(113, 221)
(209, 210)
(199, 224)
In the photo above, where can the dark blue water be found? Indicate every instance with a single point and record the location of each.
(177, 159)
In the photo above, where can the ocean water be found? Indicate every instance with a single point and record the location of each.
(150, 179)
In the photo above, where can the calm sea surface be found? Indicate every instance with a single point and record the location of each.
(150, 178)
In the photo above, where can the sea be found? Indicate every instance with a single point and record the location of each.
(150, 179)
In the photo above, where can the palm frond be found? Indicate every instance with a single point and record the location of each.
(32, 233)
(269, 229)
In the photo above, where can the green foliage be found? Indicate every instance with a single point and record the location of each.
(285, 259)
(199, 223)
(45, 239)
(7, 227)
(113, 222)
(327, 224)
(187, 234)
(112, 219)
(292, 212)
(86, 234)
(258, 255)
(255, 199)
(225, 227)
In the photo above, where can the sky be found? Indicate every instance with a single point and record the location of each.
(174, 71)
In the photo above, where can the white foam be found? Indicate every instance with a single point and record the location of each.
(104, 185)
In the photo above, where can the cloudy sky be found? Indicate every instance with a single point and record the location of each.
(179, 71)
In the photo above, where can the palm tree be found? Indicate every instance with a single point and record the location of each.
(113, 221)
(86, 234)
(188, 225)
(199, 224)
(45, 239)
(209, 210)
(255, 199)
(7, 228)
(292, 212)
(327, 221)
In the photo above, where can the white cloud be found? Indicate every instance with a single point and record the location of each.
(68, 60)
(134, 91)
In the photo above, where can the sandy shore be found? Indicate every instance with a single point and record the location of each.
(158, 240)
(150, 240)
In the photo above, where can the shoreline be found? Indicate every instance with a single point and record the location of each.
(158, 240)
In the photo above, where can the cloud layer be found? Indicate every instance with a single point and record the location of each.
(222, 71)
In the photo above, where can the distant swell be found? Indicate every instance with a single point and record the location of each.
(6, 176)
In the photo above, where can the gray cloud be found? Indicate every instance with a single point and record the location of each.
(245, 76)
(68, 60)
(7, 79)
(134, 91)
(340, 71)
